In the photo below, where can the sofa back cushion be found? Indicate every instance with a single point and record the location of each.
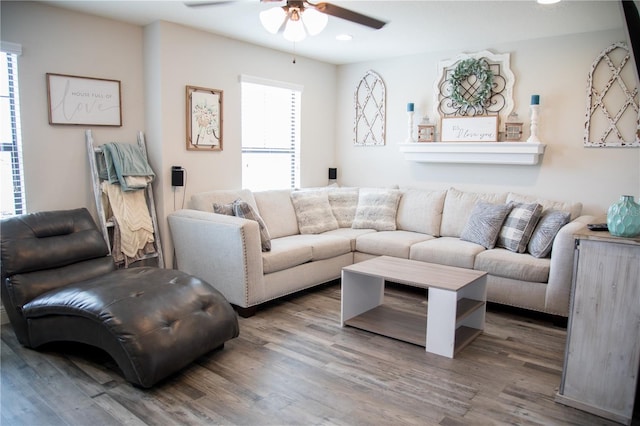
(276, 209)
(458, 206)
(421, 211)
(204, 201)
(344, 202)
(574, 209)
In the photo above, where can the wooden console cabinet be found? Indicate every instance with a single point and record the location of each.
(602, 356)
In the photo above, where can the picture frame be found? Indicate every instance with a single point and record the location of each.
(78, 100)
(469, 129)
(204, 119)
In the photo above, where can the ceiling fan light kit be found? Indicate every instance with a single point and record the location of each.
(314, 21)
(272, 19)
(294, 31)
(296, 19)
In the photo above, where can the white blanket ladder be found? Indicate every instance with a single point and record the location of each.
(106, 224)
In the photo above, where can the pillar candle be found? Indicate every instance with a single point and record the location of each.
(410, 107)
(535, 99)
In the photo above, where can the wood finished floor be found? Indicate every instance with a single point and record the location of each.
(294, 365)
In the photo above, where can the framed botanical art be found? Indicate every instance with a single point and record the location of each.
(204, 119)
(83, 100)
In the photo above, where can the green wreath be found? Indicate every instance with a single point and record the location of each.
(466, 68)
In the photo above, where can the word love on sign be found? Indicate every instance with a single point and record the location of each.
(83, 100)
(470, 129)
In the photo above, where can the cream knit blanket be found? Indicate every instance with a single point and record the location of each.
(131, 212)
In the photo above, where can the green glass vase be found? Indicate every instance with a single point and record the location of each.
(623, 217)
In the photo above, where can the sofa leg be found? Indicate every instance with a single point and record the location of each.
(246, 312)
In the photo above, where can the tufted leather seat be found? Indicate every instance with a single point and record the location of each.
(60, 284)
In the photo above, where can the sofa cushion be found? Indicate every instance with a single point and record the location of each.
(485, 223)
(518, 226)
(204, 201)
(458, 206)
(575, 209)
(390, 243)
(545, 232)
(286, 252)
(350, 234)
(519, 266)
(446, 251)
(344, 202)
(313, 211)
(324, 246)
(377, 209)
(244, 210)
(277, 211)
(421, 211)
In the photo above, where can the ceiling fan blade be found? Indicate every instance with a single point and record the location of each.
(349, 15)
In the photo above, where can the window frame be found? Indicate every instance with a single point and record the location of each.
(294, 131)
(14, 146)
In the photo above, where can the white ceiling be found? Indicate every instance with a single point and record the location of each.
(413, 26)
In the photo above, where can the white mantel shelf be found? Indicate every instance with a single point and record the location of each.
(520, 153)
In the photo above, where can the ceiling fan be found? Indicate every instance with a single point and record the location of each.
(298, 17)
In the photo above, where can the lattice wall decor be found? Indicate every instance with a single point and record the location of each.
(613, 112)
(500, 100)
(370, 101)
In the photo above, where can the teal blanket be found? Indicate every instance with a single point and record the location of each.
(120, 162)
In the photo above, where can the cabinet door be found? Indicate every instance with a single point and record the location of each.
(603, 345)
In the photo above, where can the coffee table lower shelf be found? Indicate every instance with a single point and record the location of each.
(411, 327)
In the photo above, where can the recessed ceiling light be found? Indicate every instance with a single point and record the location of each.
(548, 1)
(344, 37)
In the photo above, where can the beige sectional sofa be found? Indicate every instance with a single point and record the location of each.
(311, 234)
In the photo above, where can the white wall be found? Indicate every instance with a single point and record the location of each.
(185, 56)
(555, 68)
(154, 65)
(56, 41)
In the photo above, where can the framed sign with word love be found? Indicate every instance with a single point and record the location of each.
(470, 129)
(83, 100)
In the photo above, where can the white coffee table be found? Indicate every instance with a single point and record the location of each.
(456, 306)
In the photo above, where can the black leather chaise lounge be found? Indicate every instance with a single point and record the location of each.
(60, 284)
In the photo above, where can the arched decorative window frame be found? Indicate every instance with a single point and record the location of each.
(373, 131)
(595, 100)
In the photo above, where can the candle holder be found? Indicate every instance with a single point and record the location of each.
(533, 137)
(410, 128)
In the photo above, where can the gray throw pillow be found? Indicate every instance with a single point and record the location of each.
(226, 209)
(484, 223)
(545, 232)
(518, 227)
(244, 210)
